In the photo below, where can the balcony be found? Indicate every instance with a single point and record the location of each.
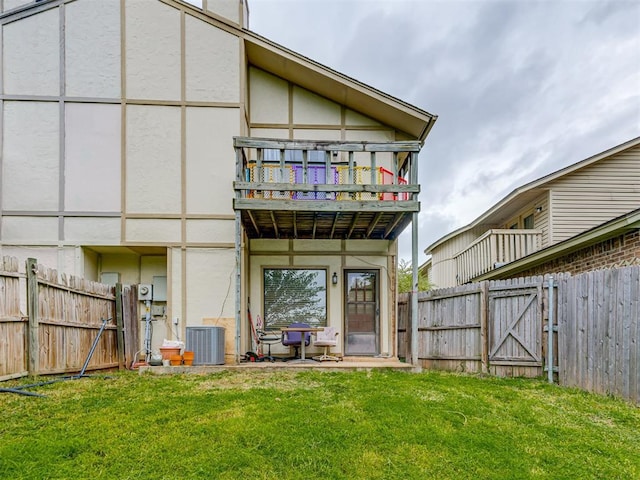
(494, 249)
(325, 190)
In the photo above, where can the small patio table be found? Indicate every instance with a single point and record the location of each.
(302, 330)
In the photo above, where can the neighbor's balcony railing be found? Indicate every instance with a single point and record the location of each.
(494, 249)
(326, 171)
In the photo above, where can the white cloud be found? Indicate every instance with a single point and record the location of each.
(521, 88)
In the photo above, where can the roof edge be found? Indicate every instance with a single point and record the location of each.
(536, 184)
(429, 118)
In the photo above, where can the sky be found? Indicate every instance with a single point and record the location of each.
(522, 88)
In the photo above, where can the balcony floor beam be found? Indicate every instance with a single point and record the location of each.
(326, 205)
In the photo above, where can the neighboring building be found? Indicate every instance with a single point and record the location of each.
(125, 124)
(533, 218)
(615, 243)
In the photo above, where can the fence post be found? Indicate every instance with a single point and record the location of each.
(32, 309)
(484, 334)
(550, 330)
(120, 326)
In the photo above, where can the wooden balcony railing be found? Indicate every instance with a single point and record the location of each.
(310, 170)
(494, 249)
(325, 189)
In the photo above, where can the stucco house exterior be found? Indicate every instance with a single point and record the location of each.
(539, 227)
(163, 143)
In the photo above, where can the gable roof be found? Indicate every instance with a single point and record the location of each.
(530, 190)
(335, 86)
(289, 65)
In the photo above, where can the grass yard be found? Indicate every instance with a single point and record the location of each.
(316, 425)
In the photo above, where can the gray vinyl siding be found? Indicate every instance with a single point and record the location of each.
(541, 220)
(595, 194)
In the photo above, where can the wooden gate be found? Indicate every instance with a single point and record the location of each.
(515, 327)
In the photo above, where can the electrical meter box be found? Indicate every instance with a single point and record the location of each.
(145, 292)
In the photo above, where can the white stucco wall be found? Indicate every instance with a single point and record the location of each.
(153, 159)
(210, 284)
(93, 159)
(268, 97)
(212, 63)
(210, 159)
(31, 55)
(353, 118)
(30, 166)
(92, 49)
(29, 230)
(92, 230)
(128, 265)
(207, 231)
(152, 50)
(153, 231)
(312, 109)
(228, 9)
(174, 288)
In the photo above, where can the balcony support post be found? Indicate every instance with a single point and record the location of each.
(414, 268)
(238, 242)
(238, 246)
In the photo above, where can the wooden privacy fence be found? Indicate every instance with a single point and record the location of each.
(64, 317)
(13, 324)
(500, 327)
(599, 332)
(492, 327)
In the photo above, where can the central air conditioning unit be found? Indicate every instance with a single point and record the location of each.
(207, 345)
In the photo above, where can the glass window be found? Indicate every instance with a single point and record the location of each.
(273, 155)
(528, 222)
(294, 295)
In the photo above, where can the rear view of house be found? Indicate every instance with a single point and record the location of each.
(155, 142)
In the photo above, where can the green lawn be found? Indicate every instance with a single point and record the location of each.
(315, 425)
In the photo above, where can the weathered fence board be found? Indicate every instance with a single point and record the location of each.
(70, 314)
(501, 327)
(516, 321)
(131, 322)
(598, 341)
(64, 316)
(13, 353)
(450, 332)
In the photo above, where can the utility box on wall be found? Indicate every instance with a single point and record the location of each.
(207, 345)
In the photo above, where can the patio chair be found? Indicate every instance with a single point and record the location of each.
(327, 338)
(294, 339)
(268, 338)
